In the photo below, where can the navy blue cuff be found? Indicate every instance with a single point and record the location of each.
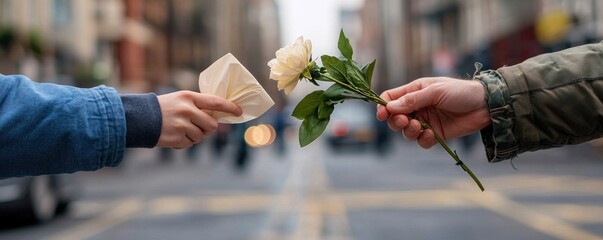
(143, 120)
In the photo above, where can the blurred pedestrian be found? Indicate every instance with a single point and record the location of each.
(280, 125)
(220, 140)
(48, 128)
(241, 153)
(547, 101)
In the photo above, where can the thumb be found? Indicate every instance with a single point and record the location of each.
(411, 102)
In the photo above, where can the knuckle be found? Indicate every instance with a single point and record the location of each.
(212, 126)
(188, 110)
(180, 126)
(188, 94)
(409, 99)
(184, 109)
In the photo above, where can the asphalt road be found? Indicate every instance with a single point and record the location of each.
(317, 193)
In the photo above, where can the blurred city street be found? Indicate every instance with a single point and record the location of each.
(353, 183)
(354, 193)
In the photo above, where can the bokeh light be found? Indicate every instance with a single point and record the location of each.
(260, 135)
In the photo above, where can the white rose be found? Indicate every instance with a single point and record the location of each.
(290, 63)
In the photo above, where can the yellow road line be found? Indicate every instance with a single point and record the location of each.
(170, 205)
(306, 195)
(310, 223)
(583, 213)
(331, 204)
(542, 184)
(543, 223)
(310, 215)
(285, 201)
(337, 211)
(321, 207)
(428, 199)
(215, 204)
(124, 210)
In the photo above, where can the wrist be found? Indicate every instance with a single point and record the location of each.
(499, 138)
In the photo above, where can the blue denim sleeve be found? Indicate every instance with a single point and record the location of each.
(48, 128)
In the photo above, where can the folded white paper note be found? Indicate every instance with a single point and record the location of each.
(229, 79)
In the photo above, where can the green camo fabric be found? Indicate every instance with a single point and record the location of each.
(547, 101)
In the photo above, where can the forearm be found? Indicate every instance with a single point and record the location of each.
(48, 128)
(547, 101)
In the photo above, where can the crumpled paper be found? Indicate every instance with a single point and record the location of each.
(229, 79)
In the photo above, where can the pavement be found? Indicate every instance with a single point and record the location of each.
(318, 193)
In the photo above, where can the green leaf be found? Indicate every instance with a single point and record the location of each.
(334, 91)
(355, 75)
(307, 105)
(368, 71)
(311, 128)
(335, 67)
(325, 109)
(344, 46)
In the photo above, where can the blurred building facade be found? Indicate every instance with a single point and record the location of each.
(136, 45)
(417, 38)
(189, 35)
(45, 38)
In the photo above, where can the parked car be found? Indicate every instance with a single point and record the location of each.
(352, 123)
(37, 199)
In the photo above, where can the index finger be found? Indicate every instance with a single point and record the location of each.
(395, 93)
(413, 86)
(215, 103)
(392, 94)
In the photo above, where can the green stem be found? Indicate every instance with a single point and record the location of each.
(342, 83)
(373, 96)
(453, 154)
(425, 125)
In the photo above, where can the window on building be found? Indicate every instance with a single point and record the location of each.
(62, 13)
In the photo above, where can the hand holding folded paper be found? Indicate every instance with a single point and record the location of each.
(229, 79)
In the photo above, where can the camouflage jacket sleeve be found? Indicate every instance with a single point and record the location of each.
(547, 101)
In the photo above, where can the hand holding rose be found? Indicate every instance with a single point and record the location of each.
(453, 107)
